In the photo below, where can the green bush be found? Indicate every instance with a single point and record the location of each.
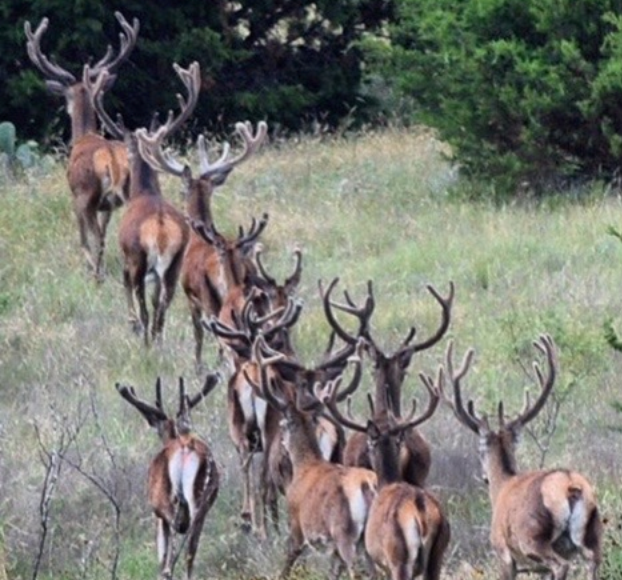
(526, 91)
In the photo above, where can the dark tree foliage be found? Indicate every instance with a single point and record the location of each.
(286, 61)
(527, 91)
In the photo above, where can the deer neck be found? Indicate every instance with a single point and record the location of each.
(388, 387)
(498, 460)
(302, 443)
(167, 431)
(143, 179)
(385, 459)
(198, 204)
(81, 112)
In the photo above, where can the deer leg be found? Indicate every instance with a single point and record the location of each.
(246, 458)
(165, 293)
(437, 550)
(144, 313)
(508, 565)
(195, 313)
(165, 554)
(87, 223)
(104, 220)
(295, 547)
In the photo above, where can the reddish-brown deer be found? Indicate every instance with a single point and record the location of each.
(201, 267)
(540, 519)
(389, 374)
(97, 171)
(407, 531)
(327, 503)
(153, 233)
(183, 478)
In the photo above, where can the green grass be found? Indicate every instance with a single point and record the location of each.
(378, 207)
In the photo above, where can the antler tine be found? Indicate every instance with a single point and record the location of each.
(191, 78)
(330, 402)
(258, 349)
(446, 305)
(545, 345)
(357, 361)
(211, 380)
(466, 416)
(262, 269)
(96, 90)
(127, 41)
(433, 399)
(254, 231)
(292, 281)
(150, 147)
(224, 330)
(207, 169)
(46, 66)
(288, 319)
(151, 413)
(183, 400)
(250, 145)
(158, 390)
(362, 313)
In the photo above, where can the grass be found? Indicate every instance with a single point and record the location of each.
(381, 207)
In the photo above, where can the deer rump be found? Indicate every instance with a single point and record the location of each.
(565, 515)
(406, 527)
(329, 503)
(177, 475)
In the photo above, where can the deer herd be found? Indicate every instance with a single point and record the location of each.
(356, 485)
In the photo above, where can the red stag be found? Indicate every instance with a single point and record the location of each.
(389, 375)
(539, 518)
(407, 531)
(153, 233)
(98, 171)
(327, 503)
(183, 477)
(200, 271)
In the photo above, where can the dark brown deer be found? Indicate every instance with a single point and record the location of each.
(407, 531)
(97, 171)
(540, 519)
(327, 503)
(183, 478)
(200, 269)
(389, 374)
(153, 233)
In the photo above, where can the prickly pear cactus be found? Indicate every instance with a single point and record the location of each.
(8, 138)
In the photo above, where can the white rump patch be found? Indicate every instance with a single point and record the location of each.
(359, 511)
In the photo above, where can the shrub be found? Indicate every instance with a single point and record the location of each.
(526, 92)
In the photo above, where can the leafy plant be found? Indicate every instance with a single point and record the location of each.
(16, 158)
(503, 80)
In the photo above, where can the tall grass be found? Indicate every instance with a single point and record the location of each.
(381, 207)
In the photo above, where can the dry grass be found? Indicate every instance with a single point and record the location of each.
(372, 207)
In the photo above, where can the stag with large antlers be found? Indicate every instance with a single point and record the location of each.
(229, 271)
(327, 503)
(183, 477)
(201, 267)
(98, 171)
(153, 233)
(407, 531)
(540, 518)
(389, 374)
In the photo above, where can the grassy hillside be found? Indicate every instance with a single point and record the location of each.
(376, 208)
